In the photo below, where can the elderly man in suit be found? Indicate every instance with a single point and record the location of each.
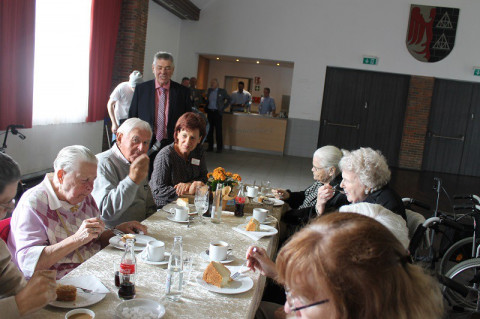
(217, 100)
(161, 101)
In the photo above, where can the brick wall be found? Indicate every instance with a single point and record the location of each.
(130, 51)
(416, 122)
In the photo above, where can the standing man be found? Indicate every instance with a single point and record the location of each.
(241, 99)
(160, 102)
(217, 101)
(121, 188)
(120, 100)
(267, 104)
(186, 82)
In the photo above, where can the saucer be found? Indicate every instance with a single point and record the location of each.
(269, 220)
(276, 202)
(229, 258)
(172, 218)
(143, 257)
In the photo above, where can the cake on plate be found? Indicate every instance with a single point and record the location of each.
(253, 225)
(66, 292)
(217, 274)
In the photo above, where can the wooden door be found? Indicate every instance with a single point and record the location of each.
(471, 149)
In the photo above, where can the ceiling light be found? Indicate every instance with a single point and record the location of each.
(218, 58)
(258, 62)
(278, 64)
(237, 60)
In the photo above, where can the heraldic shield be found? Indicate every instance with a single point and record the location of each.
(431, 32)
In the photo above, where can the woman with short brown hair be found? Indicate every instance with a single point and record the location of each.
(350, 266)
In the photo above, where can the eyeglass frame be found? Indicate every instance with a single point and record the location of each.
(10, 205)
(316, 169)
(288, 296)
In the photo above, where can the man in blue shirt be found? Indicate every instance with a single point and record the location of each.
(267, 104)
(217, 100)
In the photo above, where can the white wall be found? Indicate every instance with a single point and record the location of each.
(163, 34)
(37, 152)
(278, 79)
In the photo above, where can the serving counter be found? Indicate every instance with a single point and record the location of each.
(254, 131)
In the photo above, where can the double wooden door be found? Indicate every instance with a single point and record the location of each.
(453, 138)
(364, 109)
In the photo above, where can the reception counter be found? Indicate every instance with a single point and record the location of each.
(254, 131)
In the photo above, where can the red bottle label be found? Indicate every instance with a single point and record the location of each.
(240, 200)
(127, 269)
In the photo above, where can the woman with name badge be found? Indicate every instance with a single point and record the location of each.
(180, 167)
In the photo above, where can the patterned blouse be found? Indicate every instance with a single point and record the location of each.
(35, 224)
(170, 168)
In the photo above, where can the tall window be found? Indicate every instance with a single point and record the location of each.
(62, 40)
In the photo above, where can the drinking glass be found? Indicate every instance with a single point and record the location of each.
(201, 201)
(187, 268)
(265, 187)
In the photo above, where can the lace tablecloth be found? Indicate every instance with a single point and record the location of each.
(196, 302)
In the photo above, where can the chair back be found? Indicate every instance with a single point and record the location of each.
(5, 228)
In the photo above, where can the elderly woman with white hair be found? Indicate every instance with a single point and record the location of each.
(56, 225)
(365, 176)
(325, 171)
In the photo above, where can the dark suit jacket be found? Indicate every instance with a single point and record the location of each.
(143, 105)
(223, 99)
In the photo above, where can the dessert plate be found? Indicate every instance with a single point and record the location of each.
(241, 284)
(83, 300)
(276, 202)
(140, 242)
(269, 220)
(265, 230)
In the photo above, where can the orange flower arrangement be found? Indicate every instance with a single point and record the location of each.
(219, 175)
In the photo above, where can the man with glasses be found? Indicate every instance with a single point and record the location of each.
(17, 297)
(161, 101)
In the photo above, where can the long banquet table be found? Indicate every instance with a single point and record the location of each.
(196, 302)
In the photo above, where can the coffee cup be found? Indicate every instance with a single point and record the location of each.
(80, 313)
(179, 213)
(218, 250)
(155, 250)
(260, 214)
(252, 191)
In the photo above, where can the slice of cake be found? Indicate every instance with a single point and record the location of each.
(127, 236)
(253, 225)
(66, 293)
(217, 274)
(183, 202)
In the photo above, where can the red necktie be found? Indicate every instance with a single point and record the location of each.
(160, 134)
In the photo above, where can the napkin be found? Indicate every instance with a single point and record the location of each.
(253, 235)
(87, 282)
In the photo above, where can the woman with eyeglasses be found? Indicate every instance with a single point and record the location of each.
(349, 266)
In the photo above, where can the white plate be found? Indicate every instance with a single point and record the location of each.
(191, 208)
(229, 258)
(265, 230)
(143, 257)
(172, 218)
(140, 243)
(144, 305)
(269, 220)
(276, 202)
(83, 300)
(241, 284)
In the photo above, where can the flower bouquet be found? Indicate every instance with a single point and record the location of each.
(219, 175)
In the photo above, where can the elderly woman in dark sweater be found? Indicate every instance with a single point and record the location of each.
(180, 167)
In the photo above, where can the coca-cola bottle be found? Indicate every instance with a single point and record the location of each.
(240, 202)
(128, 267)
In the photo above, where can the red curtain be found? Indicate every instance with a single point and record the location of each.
(17, 44)
(103, 40)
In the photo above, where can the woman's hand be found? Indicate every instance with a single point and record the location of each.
(132, 227)
(39, 291)
(324, 194)
(90, 229)
(194, 186)
(281, 194)
(257, 259)
(182, 188)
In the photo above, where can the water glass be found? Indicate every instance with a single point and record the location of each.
(265, 187)
(187, 268)
(201, 201)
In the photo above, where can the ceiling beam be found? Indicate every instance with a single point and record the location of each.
(184, 9)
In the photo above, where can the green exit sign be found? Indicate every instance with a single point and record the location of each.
(476, 71)
(371, 60)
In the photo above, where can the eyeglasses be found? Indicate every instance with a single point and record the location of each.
(291, 302)
(9, 206)
(316, 169)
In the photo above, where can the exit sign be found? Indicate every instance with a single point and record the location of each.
(476, 71)
(371, 60)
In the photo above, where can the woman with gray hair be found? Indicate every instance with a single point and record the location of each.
(365, 176)
(325, 171)
(56, 225)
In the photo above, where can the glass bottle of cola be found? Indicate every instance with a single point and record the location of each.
(128, 267)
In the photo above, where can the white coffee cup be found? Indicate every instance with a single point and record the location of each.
(260, 214)
(78, 311)
(155, 250)
(218, 250)
(252, 191)
(179, 213)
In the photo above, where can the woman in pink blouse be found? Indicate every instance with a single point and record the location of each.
(56, 224)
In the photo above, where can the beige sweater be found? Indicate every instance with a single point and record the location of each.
(11, 282)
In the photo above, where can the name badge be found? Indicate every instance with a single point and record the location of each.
(195, 161)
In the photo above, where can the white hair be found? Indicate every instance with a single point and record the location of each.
(394, 222)
(329, 156)
(368, 165)
(69, 157)
(162, 55)
(134, 123)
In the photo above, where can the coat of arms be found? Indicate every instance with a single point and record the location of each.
(431, 32)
